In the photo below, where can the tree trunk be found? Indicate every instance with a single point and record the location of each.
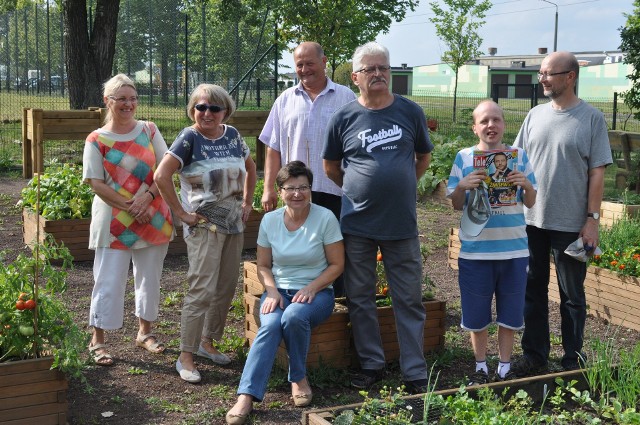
(89, 60)
(455, 97)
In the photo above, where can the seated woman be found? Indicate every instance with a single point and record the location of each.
(300, 253)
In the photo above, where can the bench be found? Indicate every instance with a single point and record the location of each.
(626, 143)
(250, 124)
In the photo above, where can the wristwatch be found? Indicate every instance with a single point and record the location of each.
(594, 215)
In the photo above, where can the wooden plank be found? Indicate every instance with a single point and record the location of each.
(535, 386)
(33, 412)
(16, 401)
(30, 365)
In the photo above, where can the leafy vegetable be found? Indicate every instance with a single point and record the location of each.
(442, 157)
(63, 195)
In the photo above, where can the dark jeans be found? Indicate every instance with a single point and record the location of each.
(333, 203)
(573, 308)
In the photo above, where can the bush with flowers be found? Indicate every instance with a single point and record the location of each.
(620, 245)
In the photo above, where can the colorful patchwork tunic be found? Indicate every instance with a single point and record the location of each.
(126, 163)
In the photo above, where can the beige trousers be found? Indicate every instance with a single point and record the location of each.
(214, 267)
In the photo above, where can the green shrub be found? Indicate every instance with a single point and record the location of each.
(442, 157)
(620, 245)
(62, 193)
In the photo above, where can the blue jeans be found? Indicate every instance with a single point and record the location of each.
(403, 266)
(293, 324)
(571, 273)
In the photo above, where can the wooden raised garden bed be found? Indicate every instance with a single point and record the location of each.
(74, 233)
(613, 211)
(331, 342)
(32, 393)
(610, 296)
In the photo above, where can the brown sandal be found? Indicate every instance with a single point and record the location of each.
(102, 359)
(154, 347)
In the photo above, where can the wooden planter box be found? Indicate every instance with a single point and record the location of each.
(613, 211)
(75, 234)
(331, 342)
(610, 296)
(31, 393)
(251, 229)
(535, 386)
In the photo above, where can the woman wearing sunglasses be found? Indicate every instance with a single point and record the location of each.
(206, 155)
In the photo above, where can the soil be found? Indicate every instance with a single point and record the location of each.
(143, 388)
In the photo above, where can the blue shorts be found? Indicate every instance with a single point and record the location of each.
(480, 279)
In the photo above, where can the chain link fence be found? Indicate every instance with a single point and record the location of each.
(169, 47)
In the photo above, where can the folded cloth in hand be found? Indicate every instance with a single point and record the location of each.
(578, 251)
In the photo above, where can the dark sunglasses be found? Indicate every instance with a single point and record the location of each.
(213, 108)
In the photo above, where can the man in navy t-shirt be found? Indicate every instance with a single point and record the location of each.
(376, 149)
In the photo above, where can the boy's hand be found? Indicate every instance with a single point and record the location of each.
(473, 180)
(519, 178)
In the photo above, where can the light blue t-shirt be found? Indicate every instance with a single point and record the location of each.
(298, 256)
(504, 237)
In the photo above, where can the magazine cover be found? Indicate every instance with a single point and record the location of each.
(498, 164)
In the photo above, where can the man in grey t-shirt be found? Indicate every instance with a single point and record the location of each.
(376, 149)
(568, 146)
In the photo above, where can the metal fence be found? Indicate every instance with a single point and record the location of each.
(170, 46)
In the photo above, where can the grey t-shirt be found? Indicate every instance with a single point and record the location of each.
(377, 149)
(562, 147)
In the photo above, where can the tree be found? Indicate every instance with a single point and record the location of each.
(89, 55)
(457, 26)
(630, 45)
(338, 25)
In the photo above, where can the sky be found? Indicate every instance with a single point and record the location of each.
(513, 27)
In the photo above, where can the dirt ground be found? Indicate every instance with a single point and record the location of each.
(143, 388)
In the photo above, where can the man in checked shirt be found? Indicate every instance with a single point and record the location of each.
(295, 130)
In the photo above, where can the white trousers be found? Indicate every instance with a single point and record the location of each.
(110, 272)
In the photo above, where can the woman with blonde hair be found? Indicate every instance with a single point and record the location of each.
(213, 223)
(130, 222)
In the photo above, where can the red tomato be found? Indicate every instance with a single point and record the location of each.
(20, 305)
(23, 296)
(385, 290)
(379, 257)
(30, 304)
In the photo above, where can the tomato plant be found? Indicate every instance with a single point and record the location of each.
(63, 195)
(54, 332)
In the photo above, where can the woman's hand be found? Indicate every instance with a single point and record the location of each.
(190, 218)
(246, 210)
(272, 301)
(138, 207)
(304, 295)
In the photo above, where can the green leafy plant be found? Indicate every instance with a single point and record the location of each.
(442, 157)
(63, 195)
(620, 245)
(48, 327)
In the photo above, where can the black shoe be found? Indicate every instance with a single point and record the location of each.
(507, 377)
(479, 377)
(526, 367)
(366, 378)
(418, 386)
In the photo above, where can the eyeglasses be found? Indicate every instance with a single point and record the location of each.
(546, 75)
(213, 108)
(302, 189)
(372, 69)
(132, 99)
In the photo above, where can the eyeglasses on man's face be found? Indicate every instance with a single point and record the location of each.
(546, 75)
(213, 108)
(372, 69)
(291, 189)
(122, 100)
